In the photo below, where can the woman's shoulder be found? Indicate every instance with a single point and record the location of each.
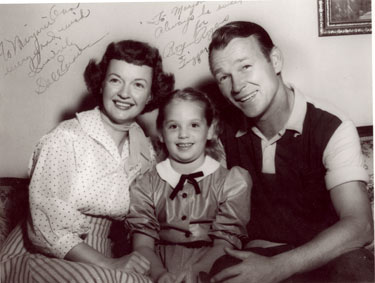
(63, 132)
(74, 127)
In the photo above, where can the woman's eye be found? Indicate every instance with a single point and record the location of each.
(139, 85)
(245, 67)
(114, 80)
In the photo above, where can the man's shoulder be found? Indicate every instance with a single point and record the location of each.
(321, 116)
(324, 107)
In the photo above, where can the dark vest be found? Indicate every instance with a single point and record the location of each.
(293, 205)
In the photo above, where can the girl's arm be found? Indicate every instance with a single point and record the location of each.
(145, 245)
(133, 262)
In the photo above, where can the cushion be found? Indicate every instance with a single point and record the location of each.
(13, 204)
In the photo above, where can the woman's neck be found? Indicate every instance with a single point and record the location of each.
(118, 132)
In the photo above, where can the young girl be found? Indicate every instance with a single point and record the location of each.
(187, 209)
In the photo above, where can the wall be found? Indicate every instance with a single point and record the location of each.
(44, 49)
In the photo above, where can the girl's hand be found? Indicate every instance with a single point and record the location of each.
(167, 277)
(134, 262)
(189, 275)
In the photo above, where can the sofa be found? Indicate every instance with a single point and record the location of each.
(14, 191)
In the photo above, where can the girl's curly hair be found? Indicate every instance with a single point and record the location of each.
(133, 52)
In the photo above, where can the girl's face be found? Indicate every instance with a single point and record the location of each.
(185, 133)
(126, 90)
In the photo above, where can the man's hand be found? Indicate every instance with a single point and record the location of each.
(253, 268)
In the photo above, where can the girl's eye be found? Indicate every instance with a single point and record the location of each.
(172, 126)
(195, 125)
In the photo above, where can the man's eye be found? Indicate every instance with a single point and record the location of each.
(222, 78)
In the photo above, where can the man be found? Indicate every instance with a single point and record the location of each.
(310, 213)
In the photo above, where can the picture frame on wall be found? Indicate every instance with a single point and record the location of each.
(344, 17)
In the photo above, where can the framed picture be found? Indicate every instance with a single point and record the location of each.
(344, 17)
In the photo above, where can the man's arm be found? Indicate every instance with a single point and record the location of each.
(353, 230)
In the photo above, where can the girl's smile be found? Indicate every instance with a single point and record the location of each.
(185, 133)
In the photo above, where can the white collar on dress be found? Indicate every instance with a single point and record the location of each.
(168, 174)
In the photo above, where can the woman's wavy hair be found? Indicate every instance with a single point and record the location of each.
(213, 148)
(133, 52)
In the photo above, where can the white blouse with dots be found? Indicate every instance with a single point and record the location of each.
(76, 170)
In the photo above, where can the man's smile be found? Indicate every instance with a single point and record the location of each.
(247, 97)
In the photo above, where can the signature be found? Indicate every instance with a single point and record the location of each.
(196, 21)
(28, 50)
(202, 31)
(63, 65)
(17, 44)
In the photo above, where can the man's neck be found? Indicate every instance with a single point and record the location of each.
(276, 120)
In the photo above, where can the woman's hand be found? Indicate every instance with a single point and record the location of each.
(134, 262)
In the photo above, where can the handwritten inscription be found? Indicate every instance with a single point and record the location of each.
(47, 52)
(195, 22)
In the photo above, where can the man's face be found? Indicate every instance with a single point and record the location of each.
(246, 77)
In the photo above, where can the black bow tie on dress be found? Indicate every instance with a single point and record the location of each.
(189, 177)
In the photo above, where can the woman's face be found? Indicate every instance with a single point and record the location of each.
(126, 90)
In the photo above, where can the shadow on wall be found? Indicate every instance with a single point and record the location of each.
(227, 112)
(87, 102)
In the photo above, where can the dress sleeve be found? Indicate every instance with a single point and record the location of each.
(56, 224)
(141, 217)
(234, 208)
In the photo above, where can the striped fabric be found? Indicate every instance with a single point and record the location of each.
(19, 265)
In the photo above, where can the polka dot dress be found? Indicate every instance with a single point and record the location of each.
(77, 171)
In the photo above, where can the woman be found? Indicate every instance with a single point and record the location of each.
(80, 176)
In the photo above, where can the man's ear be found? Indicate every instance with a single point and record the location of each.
(276, 58)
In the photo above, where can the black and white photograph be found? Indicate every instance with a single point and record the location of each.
(186, 141)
